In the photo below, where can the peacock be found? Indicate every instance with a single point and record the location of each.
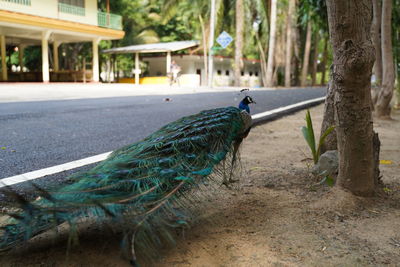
(143, 186)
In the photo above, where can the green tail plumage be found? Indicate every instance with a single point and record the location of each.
(141, 184)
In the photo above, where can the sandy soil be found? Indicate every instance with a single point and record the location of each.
(275, 216)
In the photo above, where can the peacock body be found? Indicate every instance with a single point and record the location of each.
(141, 184)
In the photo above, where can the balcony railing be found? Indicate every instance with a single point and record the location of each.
(74, 10)
(108, 20)
(21, 2)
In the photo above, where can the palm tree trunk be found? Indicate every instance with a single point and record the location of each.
(296, 50)
(289, 39)
(324, 61)
(386, 92)
(239, 40)
(306, 57)
(203, 33)
(263, 63)
(271, 47)
(314, 69)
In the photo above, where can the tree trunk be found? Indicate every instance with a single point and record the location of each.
(329, 120)
(397, 94)
(376, 37)
(263, 63)
(296, 63)
(239, 40)
(203, 33)
(324, 62)
(289, 39)
(315, 60)
(386, 92)
(271, 47)
(353, 58)
(306, 57)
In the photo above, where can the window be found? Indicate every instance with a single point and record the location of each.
(219, 72)
(21, 2)
(80, 3)
(227, 72)
(242, 73)
(198, 71)
(74, 7)
(256, 73)
(251, 73)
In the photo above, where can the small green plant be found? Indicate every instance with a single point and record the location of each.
(308, 133)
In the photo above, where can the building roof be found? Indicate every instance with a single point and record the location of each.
(152, 48)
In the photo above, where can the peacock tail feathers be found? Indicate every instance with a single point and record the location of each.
(146, 186)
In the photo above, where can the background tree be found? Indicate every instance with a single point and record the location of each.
(306, 55)
(396, 48)
(239, 40)
(386, 92)
(289, 39)
(353, 56)
(271, 47)
(376, 37)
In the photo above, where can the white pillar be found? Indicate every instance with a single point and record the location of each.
(3, 58)
(137, 69)
(168, 62)
(211, 44)
(56, 44)
(45, 56)
(95, 63)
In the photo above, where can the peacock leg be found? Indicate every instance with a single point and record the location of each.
(236, 146)
(225, 180)
(133, 260)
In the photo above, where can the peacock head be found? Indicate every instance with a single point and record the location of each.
(248, 100)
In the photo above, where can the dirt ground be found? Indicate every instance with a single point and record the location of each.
(275, 216)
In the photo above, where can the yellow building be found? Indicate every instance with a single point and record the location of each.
(40, 22)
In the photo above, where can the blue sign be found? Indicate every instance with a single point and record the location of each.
(224, 39)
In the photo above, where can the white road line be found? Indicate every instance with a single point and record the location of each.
(277, 110)
(52, 170)
(97, 158)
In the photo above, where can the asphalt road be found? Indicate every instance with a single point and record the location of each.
(36, 135)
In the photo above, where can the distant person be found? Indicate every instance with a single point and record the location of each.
(175, 69)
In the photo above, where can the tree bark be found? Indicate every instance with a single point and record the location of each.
(324, 62)
(386, 92)
(329, 120)
(353, 58)
(289, 39)
(376, 37)
(271, 47)
(306, 57)
(239, 40)
(315, 60)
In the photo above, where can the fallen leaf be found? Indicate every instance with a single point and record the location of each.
(385, 162)
(387, 190)
(3, 148)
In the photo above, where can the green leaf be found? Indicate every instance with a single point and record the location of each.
(323, 137)
(308, 133)
(329, 180)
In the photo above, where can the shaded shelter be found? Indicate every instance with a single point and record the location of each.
(167, 48)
